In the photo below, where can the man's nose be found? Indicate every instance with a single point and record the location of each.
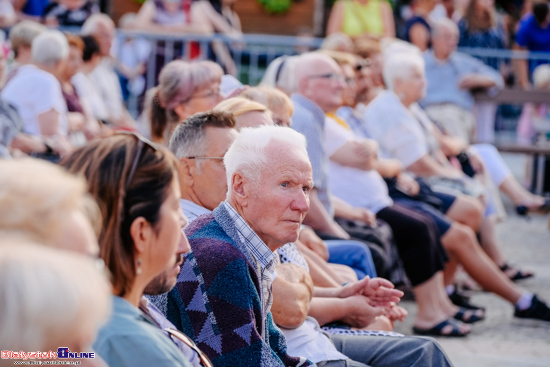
(183, 246)
(301, 202)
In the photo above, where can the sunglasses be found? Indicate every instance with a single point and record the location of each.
(142, 142)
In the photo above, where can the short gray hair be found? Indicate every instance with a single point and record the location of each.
(248, 153)
(189, 137)
(90, 25)
(46, 296)
(49, 48)
(22, 34)
(400, 65)
(438, 24)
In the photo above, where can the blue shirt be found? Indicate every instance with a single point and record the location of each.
(443, 78)
(309, 120)
(131, 339)
(531, 36)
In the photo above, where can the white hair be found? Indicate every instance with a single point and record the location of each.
(248, 153)
(280, 74)
(49, 298)
(442, 23)
(401, 66)
(91, 24)
(49, 48)
(541, 76)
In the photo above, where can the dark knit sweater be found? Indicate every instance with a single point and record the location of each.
(216, 301)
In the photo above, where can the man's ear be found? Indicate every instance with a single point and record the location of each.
(141, 233)
(239, 188)
(186, 172)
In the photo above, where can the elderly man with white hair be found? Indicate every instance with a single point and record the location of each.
(224, 296)
(452, 76)
(36, 93)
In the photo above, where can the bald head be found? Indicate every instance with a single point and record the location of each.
(320, 79)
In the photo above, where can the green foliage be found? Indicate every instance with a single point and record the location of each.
(276, 6)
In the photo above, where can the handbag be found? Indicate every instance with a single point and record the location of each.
(425, 194)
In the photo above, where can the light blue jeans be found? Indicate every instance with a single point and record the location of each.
(353, 254)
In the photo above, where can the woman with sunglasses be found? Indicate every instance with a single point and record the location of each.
(135, 184)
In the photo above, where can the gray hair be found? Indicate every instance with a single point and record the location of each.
(22, 34)
(91, 24)
(49, 297)
(439, 24)
(280, 74)
(401, 65)
(248, 153)
(189, 137)
(49, 48)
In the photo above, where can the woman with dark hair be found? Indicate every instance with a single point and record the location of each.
(417, 30)
(135, 184)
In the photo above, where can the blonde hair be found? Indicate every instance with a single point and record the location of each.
(272, 98)
(22, 34)
(36, 196)
(239, 106)
(49, 298)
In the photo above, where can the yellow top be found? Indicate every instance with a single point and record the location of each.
(359, 19)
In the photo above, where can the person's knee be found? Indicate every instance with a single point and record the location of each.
(470, 211)
(459, 238)
(426, 352)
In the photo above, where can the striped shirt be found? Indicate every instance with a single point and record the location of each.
(266, 261)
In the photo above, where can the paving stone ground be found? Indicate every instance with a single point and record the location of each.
(501, 340)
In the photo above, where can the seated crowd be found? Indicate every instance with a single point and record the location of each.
(246, 225)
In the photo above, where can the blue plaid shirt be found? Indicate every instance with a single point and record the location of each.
(266, 261)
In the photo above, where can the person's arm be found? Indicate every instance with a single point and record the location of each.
(292, 292)
(427, 166)
(309, 239)
(360, 154)
(318, 218)
(387, 19)
(334, 24)
(522, 69)
(318, 268)
(202, 11)
(389, 168)
(419, 36)
(347, 211)
(355, 310)
(48, 122)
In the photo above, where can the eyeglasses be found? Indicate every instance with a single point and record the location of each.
(141, 143)
(217, 158)
(211, 93)
(331, 76)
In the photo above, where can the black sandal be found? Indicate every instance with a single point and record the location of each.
(437, 330)
(472, 318)
(463, 301)
(517, 274)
